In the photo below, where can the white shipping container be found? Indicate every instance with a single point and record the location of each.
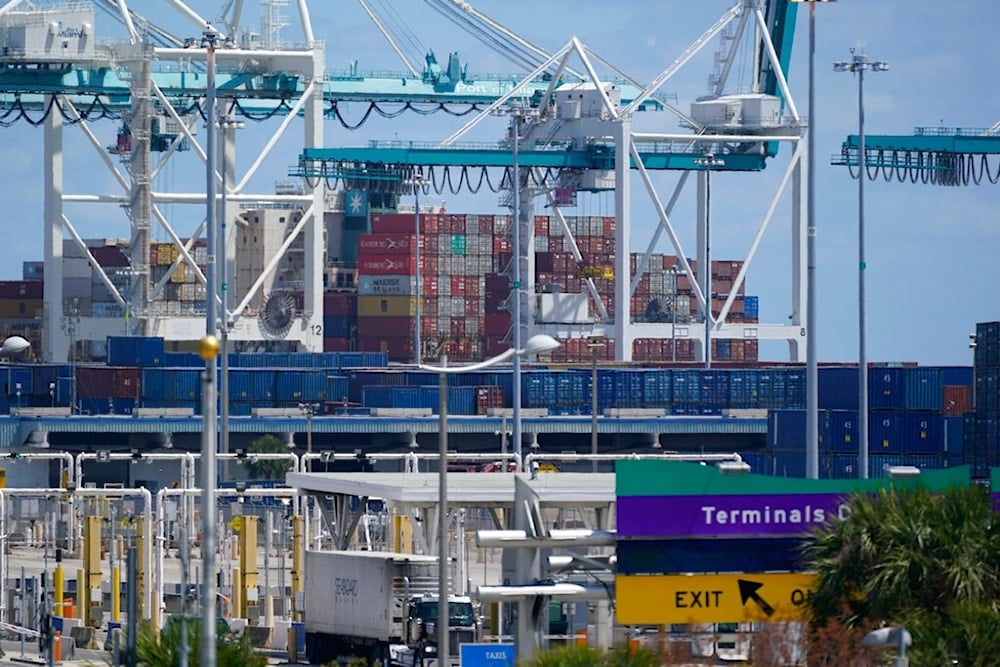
(541, 244)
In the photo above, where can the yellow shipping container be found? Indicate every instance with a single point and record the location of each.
(179, 275)
(387, 306)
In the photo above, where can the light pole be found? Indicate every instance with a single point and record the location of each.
(226, 125)
(858, 65)
(417, 182)
(812, 372)
(535, 345)
(309, 410)
(208, 349)
(709, 162)
(595, 343)
(673, 314)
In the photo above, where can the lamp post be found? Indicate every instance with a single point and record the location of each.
(899, 638)
(812, 372)
(417, 182)
(309, 410)
(673, 314)
(858, 65)
(595, 343)
(226, 124)
(208, 349)
(535, 345)
(709, 162)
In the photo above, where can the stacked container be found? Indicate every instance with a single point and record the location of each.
(982, 450)
(911, 419)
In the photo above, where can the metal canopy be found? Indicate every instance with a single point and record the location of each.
(465, 489)
(413, 491)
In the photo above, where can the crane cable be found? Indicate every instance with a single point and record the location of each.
(928, 167)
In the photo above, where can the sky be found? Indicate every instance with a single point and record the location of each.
(931, 251)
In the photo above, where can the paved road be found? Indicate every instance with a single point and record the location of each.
(83, 658)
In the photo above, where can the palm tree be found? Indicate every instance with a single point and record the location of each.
(916, 558)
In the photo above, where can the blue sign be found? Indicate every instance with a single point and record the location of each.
(488, 655)
(356, 204)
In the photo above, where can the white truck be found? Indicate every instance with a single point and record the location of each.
(380, 606)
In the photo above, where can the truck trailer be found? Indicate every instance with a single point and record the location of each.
(380, 606)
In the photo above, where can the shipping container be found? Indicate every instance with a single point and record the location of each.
(788, 464)
(887, 388)
(340, 304)
(886, 433)
(839, 466)
(375, 245)
(134, 351)
(954, 437)
(924, 389)
(923, 433)
(386, 306)
(386, 285)
(841, 431)
(786, 430)
(956, 399)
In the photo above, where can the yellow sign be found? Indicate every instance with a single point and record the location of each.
(711, 598)
(3, 478)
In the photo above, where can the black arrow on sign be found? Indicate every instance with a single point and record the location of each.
(748, 591)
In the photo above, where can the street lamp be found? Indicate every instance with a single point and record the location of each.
(417, 182)
(536, 344)
(812, 371)
(897, 637)
(709, 162)
(673, 313)
(208, 349)
(858, 65)
(309, 410)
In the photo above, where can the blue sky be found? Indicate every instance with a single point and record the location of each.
(932, 272)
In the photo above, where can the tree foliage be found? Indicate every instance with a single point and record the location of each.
(268, 469)
(926, 561)
(588, 656)
(163, 648)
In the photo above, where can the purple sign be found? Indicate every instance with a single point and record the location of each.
(727, 515)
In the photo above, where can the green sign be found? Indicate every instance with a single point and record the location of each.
(681, 478)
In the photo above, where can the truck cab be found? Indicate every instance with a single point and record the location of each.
(422, 618)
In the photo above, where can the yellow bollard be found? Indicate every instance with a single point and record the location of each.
(116, 599)
(237, 602)
(57, 584)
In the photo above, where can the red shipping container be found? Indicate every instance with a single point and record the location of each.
(458, 285)
(429, 285)
(609, 227)
(388, 265)
(392, 223)
(472, 306)
(429, 327)
(21, 289)
(541, 225)
(501, 244)
(457, 327)
(488, 397)
(472, 286)
(430, 223)
(544, 262)
(386, 244)
(957, 399)
(750, 350)
(337, 344)
(497, 324)
(340, 304)
(107, 382)
(494, 345)
(382, 327)
(485, 224)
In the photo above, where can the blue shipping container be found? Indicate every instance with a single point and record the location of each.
(886, 432)
(839, 466)
(788, 464)
(757, 460)
(887, 388)
(134, 351)
(924, 433)
(786, 430)
(795, 388)
(841, 431)
(751, 307)
(956, 375)
(686, 386)
(924, 388)
(879, 464)
(336, 388)
(838, 388)
(953, 434)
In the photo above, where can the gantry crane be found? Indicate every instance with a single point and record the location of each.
(56, 72)
(578, 135)
(950, 156)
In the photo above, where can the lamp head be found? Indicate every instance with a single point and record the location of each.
(841, 66)
(540, 343)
